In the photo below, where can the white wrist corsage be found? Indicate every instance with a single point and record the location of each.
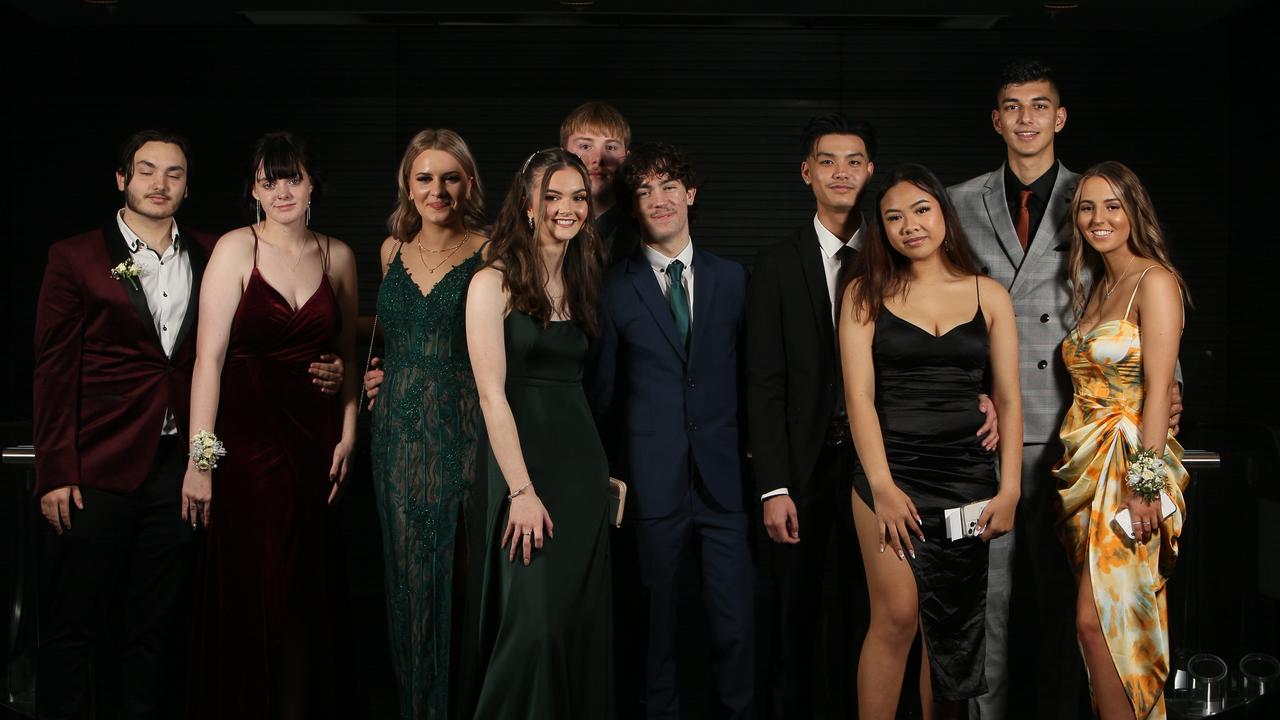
(1147, 476)
(206, 450)
(128, 270)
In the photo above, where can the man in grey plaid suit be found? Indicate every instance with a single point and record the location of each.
(1018, 224)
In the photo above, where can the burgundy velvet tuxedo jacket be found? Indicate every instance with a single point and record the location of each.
(102, 380)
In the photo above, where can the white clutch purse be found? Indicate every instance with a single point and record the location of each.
(1125, 523)
(962, 522)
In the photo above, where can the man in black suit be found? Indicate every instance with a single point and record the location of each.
(799, 431)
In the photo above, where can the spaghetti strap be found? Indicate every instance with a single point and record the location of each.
(324, 251)
(1129, 307)
(395, 253)
(255, 245)
(977, 288)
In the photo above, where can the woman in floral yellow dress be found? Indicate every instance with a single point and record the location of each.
(1121, 356)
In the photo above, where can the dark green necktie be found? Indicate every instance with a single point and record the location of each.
(679, 300)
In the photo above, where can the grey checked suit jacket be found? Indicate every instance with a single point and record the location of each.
(1038, 284)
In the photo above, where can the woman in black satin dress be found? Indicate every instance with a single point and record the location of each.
(918, 329)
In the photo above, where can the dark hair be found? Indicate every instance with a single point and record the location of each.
(142, 137)
(1146, 235)
(1021, 72)
(656, 158)
(837, 124)
(514, 248)
(880, 270)
(282, 156)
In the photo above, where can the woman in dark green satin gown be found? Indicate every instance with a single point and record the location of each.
(426, 419)
(545, 629)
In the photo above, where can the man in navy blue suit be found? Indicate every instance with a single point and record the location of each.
(666, 385)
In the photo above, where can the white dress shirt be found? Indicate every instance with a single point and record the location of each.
(166, 283)
(659, 263)
(830, 245)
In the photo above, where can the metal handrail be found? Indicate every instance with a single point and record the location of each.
(1191, 459)
(20, 455)
(1201, 459)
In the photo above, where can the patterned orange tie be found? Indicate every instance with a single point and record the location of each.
(1022, 223)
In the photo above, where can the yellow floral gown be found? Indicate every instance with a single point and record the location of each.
(1101, 430)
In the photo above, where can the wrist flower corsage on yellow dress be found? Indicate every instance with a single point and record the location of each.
(1147, 476)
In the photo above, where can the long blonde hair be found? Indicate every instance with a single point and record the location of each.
(405, 220)
(1146, 236)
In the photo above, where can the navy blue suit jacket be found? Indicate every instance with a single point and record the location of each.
(659, 406)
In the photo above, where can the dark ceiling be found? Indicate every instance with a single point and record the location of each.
(1109, 15)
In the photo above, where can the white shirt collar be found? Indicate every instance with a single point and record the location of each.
(830, 243)
(136, 243)
(659, 262)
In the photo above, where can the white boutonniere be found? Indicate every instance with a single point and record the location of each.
(128, 270)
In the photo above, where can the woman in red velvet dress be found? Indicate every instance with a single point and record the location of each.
(275, 295)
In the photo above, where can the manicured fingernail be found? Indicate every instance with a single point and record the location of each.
(901, 556)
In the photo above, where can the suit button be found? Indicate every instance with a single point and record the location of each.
(1044, 318)
(693, 426)
(690, 382)
(1042, 364)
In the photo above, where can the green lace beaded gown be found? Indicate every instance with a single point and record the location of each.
(425, 426)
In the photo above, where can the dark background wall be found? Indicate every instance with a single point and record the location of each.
(1179, 105)
(1178, 91)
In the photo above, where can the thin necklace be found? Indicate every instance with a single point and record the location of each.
(431, 269)
(1107, 293)
(553, 300)
(301, 252)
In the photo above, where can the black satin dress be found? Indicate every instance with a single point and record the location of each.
(927, 390)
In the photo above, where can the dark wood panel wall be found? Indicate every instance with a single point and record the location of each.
(734, 98)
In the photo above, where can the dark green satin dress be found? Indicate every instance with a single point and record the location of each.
(547, 626)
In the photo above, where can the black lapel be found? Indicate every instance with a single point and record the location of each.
(196, 258)
(651, 295)
(118, 252)
(704, 290)
(809, 255)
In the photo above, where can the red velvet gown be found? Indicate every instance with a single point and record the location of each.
(263, 642)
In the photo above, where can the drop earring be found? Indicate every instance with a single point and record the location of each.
(307, 220)
(530, 223)
(257, 211)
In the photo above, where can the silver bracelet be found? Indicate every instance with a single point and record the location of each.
(519, 492)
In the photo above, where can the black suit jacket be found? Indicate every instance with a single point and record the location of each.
(793, 365)
(620, 235)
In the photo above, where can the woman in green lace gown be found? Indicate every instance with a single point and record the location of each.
(425, 420)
